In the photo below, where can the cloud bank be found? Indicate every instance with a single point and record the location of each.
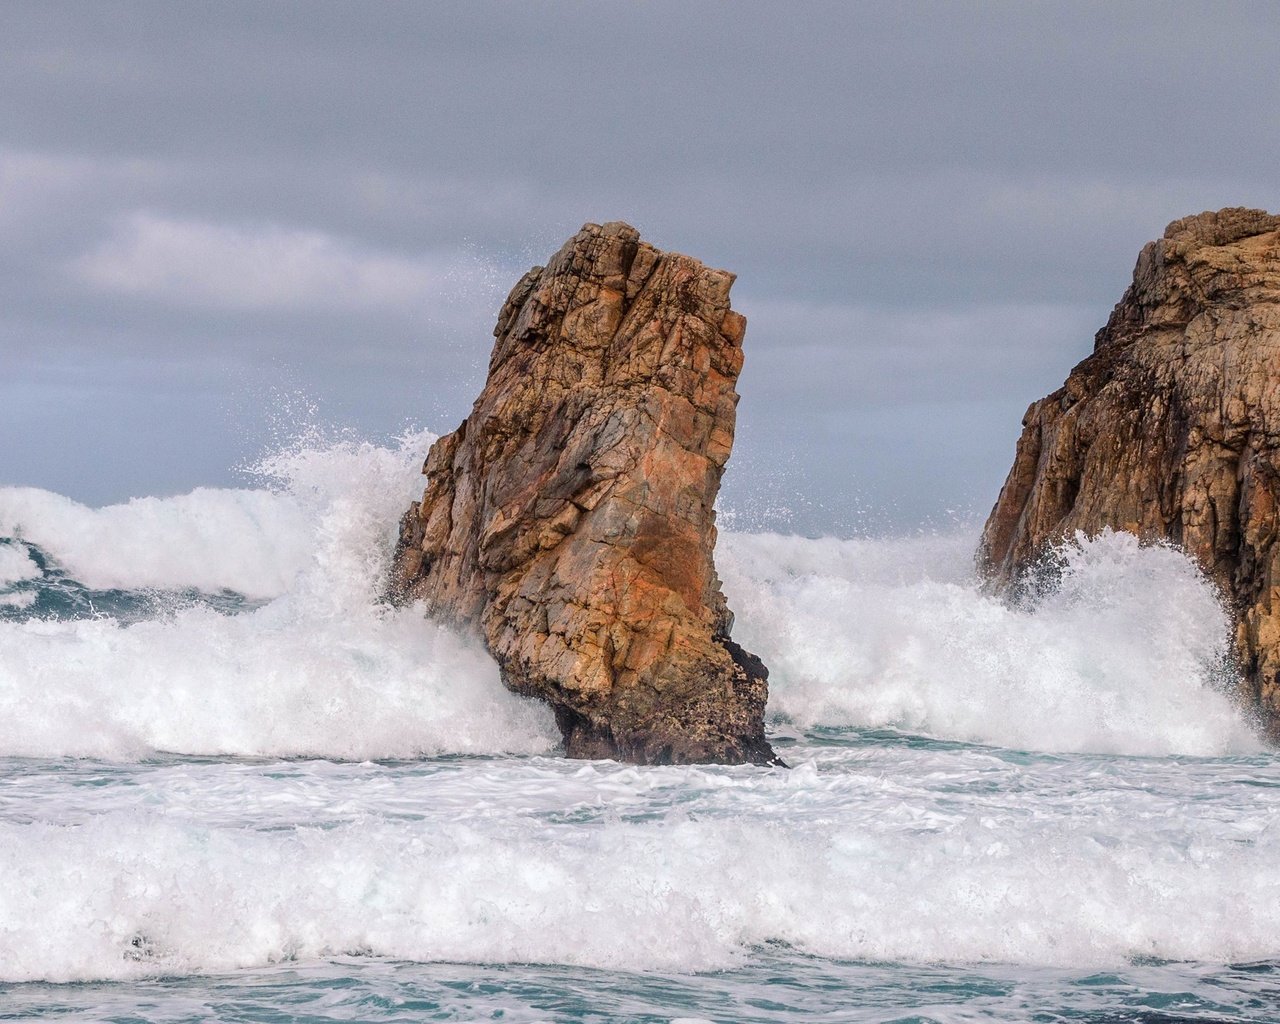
(930, 209)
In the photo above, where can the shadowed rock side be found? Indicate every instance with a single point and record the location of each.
(570, 518)
(1169, 430)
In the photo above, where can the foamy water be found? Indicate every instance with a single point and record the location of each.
(322, 668)
(866, 851)
(992, 810)
(1126, 656)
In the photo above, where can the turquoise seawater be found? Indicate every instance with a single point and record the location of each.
(771, 988)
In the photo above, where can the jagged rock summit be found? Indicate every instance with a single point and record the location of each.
(569, 520)
(1171, 430)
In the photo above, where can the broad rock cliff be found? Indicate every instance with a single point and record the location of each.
(569, 520)
(1171, 430)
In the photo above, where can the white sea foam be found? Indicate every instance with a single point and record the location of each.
(16, 565)
(322, 669)
(249, 541)
(133, 894)
(1127, 654)
(870, 850)
(277, 681)
(875, 852)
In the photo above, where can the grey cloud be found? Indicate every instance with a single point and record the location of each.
(834, 356)
(264, 266)
(930, 208)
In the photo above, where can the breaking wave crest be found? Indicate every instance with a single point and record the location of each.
(312, 663)
(1127, 651)
(247, 622)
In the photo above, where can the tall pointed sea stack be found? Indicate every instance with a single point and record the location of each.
(570, 520)
(1171, 430)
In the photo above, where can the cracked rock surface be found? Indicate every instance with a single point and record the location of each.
(569, 520)
(1171, 430)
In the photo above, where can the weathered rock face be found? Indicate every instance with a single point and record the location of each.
(1171, 430)
(569, 520)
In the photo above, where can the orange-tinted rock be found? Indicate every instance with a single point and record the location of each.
(1171, 430)
(569, 520)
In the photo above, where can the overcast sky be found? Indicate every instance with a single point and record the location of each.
(215, 215)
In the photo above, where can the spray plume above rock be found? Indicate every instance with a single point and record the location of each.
(1171, 430)
(570, 521)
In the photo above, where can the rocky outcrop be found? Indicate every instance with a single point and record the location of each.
(569, 520)
(1171, 430)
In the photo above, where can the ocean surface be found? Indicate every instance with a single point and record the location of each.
(235, 786)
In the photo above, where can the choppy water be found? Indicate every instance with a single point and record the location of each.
(234, 786)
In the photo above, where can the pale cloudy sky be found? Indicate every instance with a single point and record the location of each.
(215, 214)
